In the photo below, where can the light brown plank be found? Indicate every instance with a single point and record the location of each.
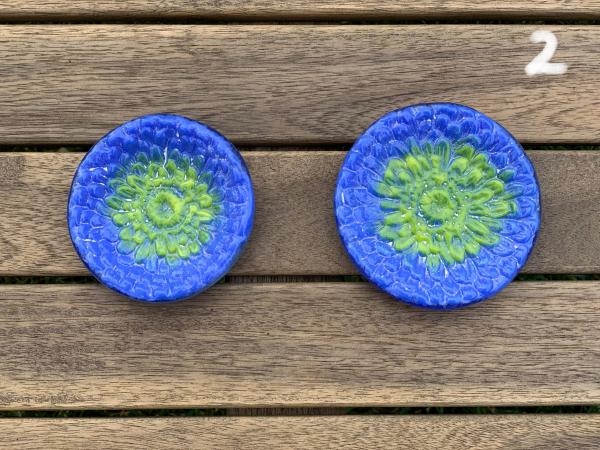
(297, 344)
(295, 232)
(296, 9)
(277, 84)
(401, 432)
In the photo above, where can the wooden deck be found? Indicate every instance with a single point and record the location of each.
(293, 83)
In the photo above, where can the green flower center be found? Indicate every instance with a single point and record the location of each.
(162, 209)
(444, 203)
(165, 208)
(437, 205)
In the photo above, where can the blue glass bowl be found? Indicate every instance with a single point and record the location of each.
(160, 208)
(438, 205)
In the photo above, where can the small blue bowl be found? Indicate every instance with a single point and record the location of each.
(438, 205)
(160, 208)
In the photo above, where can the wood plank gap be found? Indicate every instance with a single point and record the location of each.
(298, 10)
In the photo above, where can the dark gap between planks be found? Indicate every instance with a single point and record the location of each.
(491, 410)
(240, 279)
(358, 18)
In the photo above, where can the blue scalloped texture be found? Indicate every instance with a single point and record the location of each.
(96, 237)
(405, 274)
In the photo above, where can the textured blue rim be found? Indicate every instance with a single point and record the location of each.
(407, 277)
(96, 243)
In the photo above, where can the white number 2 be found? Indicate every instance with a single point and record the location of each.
(541, 65)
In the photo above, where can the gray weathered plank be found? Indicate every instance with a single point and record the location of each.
(296, 345)
(288, 84)
(295, 231)
(401, 432)
(296, 9)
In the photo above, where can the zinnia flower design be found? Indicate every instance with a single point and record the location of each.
(444, 203)
(160, 208)
(438, 205)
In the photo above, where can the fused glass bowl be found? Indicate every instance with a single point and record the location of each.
(438, 205)
(160, 208)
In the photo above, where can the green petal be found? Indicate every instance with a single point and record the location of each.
(136, 183)
(127, 233)
(423, 248)
(506, 175)
(443, 150)
(459, 165)
(474, 176)
(191, 173)
(477, 227)
(161, 246)
(457, 251)
(423, 162)
(388, 233)
(194, 248)
(501, 209)
(489, 239)
(395, 166)
(433, 261)
(480, 161)
(205, 201)
(120, 219)
(204, 216)
(403, 243)
(183, 251)
(445, 254)
(142, 252)
(126, 191)
(397, 218)
(495, 186)
(201, 188)
(386, 190)
(466, 150)
(413, 165)
(115, 202)
(472, 247)
(389, 204)
(482, 196)
(172, 244)
(203, 236)
(171, 168)
(126, 247)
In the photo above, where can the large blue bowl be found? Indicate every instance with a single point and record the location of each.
(438, 205)
(160, 208)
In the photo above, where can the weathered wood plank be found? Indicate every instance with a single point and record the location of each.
(295, 231)
(296, 344)
(296, 9)
(278, 84)
(401, 432)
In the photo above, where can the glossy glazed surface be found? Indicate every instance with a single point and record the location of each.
(160, 208)
(438, 205)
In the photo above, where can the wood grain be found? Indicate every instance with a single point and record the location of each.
(296, 9)
(296, 345)
(295, 232)
(401, 432)
(289, 84)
